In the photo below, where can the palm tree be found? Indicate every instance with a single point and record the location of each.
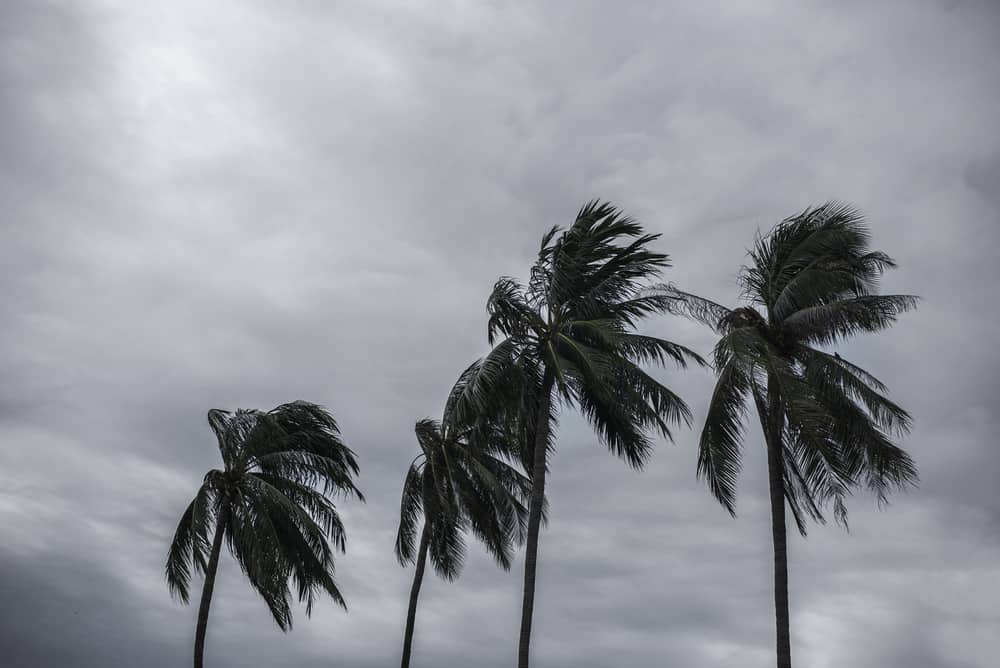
(828, 426)
(460, 480)
(264, 503)
(568, 338)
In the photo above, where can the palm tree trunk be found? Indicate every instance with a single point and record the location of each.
(776, 478)
(206, 592)
(418, 577)
(534, 517)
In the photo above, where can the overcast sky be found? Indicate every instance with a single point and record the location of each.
(237, 204)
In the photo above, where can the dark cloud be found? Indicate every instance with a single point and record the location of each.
(246, 203)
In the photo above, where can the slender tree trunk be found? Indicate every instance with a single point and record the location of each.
(776, 484)
(418, 577)
(534, 518)
(206, 592)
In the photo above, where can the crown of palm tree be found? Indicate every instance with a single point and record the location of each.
(276, 521)
(576, 320)
(461, 480)
(812, 282)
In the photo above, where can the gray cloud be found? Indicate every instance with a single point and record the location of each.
(246, 203)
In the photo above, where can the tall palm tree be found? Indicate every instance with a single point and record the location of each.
(270, 505)
(460, 480)
(828, 426)
(568, 339)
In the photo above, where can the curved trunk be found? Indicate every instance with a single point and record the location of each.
(534, 518)
(206, 592)
(775, 477)
(418, 577)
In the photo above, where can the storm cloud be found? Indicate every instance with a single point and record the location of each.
(237, 204)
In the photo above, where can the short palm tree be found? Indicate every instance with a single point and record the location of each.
(568, 338)
(460, 480)
(827, 423)
(270, 505)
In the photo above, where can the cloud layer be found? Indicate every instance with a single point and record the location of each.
(236, 204)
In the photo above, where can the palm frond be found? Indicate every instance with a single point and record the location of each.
(525, 415)
(510, 313)
(699, 309)
(332, 472)
(446, 547)
(798, 492)
(429, 435)
(616, 424)
(508, 490)
(809, 478)
(231, 430)
(302, 441)
(318, 506)
(815, 472)
(828, 277)
(300, 551)
(656, 406)
(653, 350)
(410, 509)
(485, 511)
(832, 374)
(865, 450)
(255, 543)
(616, 280)
(831, 230)
(540, 278)
(487, 388)
(191, 544)
(832, 322)
(719, 456)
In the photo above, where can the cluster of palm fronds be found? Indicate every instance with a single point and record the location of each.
(271, 505)
(568, 339)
